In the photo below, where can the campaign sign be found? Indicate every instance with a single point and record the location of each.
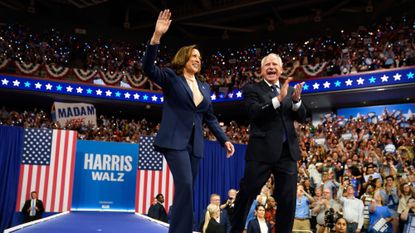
(74, 114)
(105, 176)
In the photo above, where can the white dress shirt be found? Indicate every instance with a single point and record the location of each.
(353, 209)
(263, 226)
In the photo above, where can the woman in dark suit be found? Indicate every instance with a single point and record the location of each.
(211, 224)
(186, 107)
(259, 224)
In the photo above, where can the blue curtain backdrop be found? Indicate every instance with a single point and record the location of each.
(11, 145)
(217, 174)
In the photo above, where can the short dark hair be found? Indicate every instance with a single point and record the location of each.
(159, 195)
(259, 205)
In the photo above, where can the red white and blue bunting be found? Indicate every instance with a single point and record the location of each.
(289, 71)
(110, 77)
(84, 75)
(314, 70)
(136, 80)
(3, 62)
(27, 68)
(56, 71)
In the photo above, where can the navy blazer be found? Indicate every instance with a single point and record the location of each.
(268, 123)
(180, 113)
(253, 226)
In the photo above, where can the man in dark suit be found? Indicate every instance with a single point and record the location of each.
(32, 208)
(272, 106)
(157, 211)
(224, 220)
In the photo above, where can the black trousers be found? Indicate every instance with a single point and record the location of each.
(255, 176)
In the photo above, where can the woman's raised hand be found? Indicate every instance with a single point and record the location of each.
(162, 25)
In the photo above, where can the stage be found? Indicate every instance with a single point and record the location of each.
(87, 222)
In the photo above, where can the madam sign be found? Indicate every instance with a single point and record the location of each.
(74, 113)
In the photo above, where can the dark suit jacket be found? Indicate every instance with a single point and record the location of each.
(265, 142)
(158, 212)
(26, 213)
(214, 227)
(253, 226)
(224, 221)
(179, 111)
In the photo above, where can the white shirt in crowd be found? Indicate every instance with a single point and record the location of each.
(390, 148)
(263, 226)
(352, 209)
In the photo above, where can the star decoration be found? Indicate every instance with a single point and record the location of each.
(27, 84)
(162, 99)
(59, 88)
(360, 81)
(305, 87)
(4, 82)
(337, 83)
(108, 93)
(154, 98)
(99, 92)
(372, 79)
(213, 97)
(230, 95)
(326, 84)
(316, 86)
(16, 83)
(38, 85)
(48, 86)
(136, 96)
(145, 97)
(69, 89)
(89, 91)
(384, 78)
(410, 75)
(127, 95)
(239, 94)
(79, 90)
(349, 82)
(117, 94)
(397, 77)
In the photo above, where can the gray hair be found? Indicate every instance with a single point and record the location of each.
(279, 60)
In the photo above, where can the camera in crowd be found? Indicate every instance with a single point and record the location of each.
(330, 218)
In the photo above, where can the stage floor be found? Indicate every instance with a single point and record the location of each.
(97, 222)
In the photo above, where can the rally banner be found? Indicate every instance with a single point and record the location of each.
(105, 176)
(74, 114)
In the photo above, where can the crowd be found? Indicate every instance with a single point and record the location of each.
(389, 44)
(107, 128)
(357, 168)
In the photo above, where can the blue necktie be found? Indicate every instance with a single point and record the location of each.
(274, 89)
(284, 134)
(32, 209)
